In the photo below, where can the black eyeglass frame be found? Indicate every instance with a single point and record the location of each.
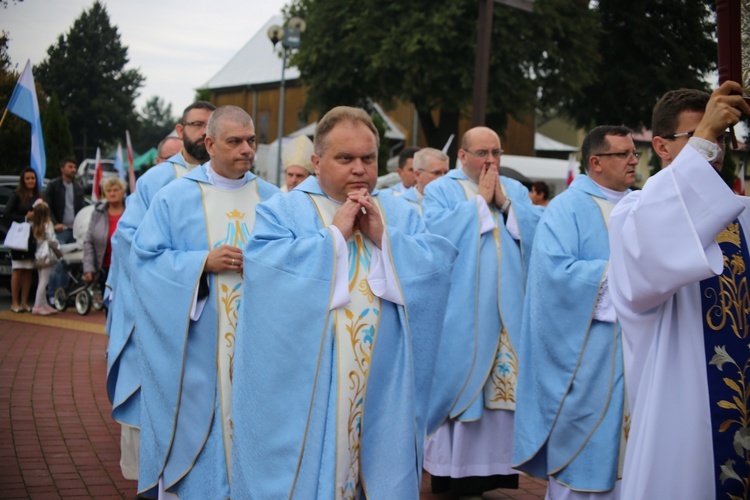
(622, 155)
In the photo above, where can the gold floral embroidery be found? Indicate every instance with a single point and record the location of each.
(230, 300)
(730, 309)
(502, 381)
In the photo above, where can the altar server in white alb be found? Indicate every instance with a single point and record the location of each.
(679, 283)
(188, 257)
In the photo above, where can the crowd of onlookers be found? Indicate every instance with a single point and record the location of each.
(51, 215)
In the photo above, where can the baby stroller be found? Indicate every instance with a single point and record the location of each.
(82, 294)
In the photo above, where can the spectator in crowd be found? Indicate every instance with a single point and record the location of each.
(47, 253)
(539, 193)
(65, 199)
(97, 247)
(20, 208)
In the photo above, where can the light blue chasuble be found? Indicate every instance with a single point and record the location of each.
(355, 329)
(227, 224)
(571, 418)
(500, 387)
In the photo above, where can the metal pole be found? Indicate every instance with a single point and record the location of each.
(281, 115)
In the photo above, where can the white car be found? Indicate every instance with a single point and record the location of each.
(85, 174)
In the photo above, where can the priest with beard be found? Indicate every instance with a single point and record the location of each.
(123, 378)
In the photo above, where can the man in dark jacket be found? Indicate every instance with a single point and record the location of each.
(65, 200)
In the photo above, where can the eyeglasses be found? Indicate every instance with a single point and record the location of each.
(672, 137)
(625, 155)
(723, 138)
(436, 173)
(195, 124)
(483, 153)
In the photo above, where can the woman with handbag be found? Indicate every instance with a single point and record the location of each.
(97, 249)
(47, 254)
(19, 209)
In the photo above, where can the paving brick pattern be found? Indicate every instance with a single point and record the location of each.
(57, 438)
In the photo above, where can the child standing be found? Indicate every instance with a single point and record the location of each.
(46, 254)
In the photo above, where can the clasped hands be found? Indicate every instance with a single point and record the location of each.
(489, 186)
(360, 210)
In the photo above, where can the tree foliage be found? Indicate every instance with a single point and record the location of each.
(86, 69)
(599, 62)
(423, 52)
(156, 122)
(647, 49)
(58, 141)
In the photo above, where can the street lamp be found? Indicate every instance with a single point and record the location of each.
(289, 36)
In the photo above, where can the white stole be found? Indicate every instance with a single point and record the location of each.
(228, 222)
(355, 329)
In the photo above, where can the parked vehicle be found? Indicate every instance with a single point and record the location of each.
(87, 169)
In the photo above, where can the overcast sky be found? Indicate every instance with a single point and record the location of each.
(177, 45)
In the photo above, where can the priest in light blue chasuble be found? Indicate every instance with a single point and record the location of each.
(679, 284)
(340, 323)
(123, 375)
(571, 418)
(492, 222)
(188, 257)
(429, 164)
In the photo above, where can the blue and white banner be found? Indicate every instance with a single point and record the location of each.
(23, 104)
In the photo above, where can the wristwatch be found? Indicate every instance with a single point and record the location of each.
(506, 206)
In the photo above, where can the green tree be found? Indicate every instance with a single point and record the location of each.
(203, 95)
(606, 61)
(86, 68)
(156, 121)
(58, 141)
(423, 52)
(647, 48)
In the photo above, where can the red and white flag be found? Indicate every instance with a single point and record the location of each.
(571, 166)
(739, 182)
(131, 165)
(96, 192)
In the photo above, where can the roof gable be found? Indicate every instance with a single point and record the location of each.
(255, 63)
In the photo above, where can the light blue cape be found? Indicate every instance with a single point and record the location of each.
(123, 377)
(181, 437)
(570, 389)
(285, 378)
(480, 286)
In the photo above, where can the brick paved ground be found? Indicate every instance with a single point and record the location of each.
(57, 439)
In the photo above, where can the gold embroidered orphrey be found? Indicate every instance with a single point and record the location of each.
(355, 330)
(230, 216)
(731, 307)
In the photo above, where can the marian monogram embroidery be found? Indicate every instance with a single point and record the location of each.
(726, 308)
